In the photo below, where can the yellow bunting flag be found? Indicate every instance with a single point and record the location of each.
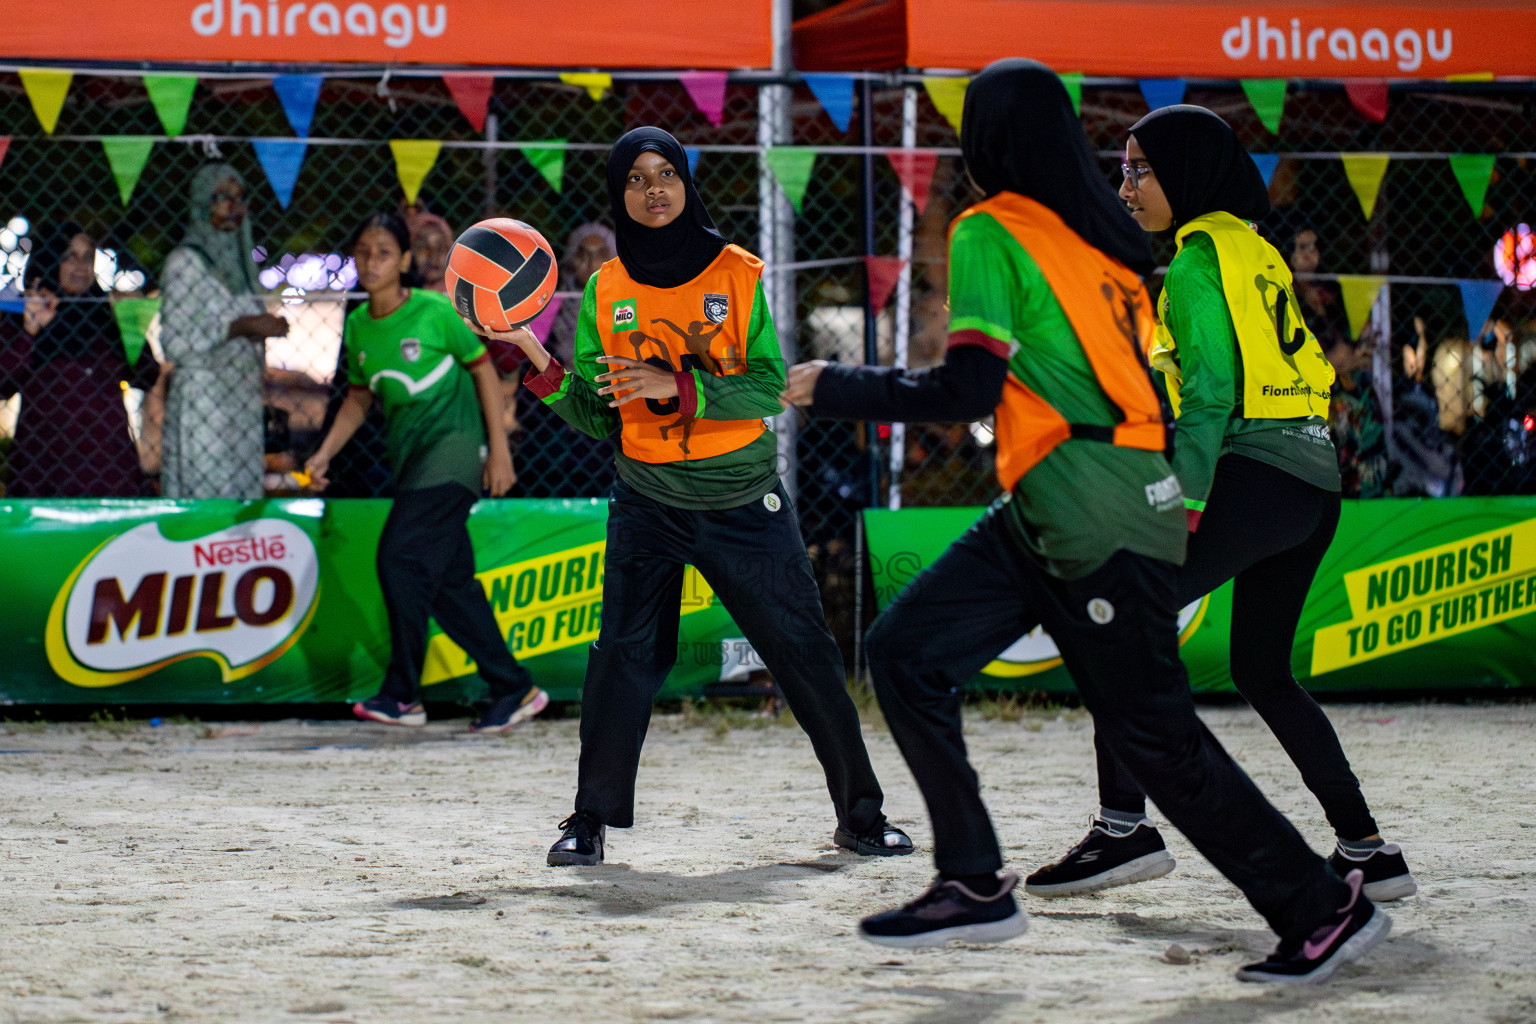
(1471, 76)
(595, 82)
(413, 160)
(46, 89)
(1360, 291)
(1365, 171)
(948, 96)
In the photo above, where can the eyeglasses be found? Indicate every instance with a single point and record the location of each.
(1134, 171)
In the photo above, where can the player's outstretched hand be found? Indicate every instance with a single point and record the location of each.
(317, 466)
(499, 474)
(801, 387)
(522, 337)
(636, 380)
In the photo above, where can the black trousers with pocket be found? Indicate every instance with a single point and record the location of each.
(754, 559)
(1117, 632)
(426, 569)
(1267, 531)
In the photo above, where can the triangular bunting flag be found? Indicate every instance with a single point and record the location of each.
(595, 82)
(281, 160)
(298, 94)
(46, 89)
(549, 158)
(172, 97)
(1268, 98)
(413, 160)
(915, 169)
(1471, 76)
(835, 94)
(5, 144)
(1267, 162)
(707, 90)
(133, 318)
(1477, 299)
(1074, 84)
(473, 95)
(1474, 172)
(692, 153)
(1162, 92)
(1359, 293)
(127, 154)
(1369, 96)
(791, 167)
(541, 324)
(948, 96)
(1365, 171)
(882, 272)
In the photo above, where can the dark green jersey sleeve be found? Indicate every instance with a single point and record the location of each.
(1201, 325)
(754, 394)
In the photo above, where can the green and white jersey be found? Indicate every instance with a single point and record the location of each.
(415, 362)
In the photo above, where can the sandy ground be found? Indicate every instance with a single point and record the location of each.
(348, 872)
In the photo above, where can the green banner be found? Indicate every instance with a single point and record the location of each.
(201, 602)
(1413, 594)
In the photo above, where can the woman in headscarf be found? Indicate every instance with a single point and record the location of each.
(1250, 387)
(65, 356)
(1048, 323)
(214, 327)
(679, 322)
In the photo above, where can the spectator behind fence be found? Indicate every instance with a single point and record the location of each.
(1425, 455)
(1322, 304)
(1355, 420)
(431, 242)
(1497, 448)
(64, 355)
(214, 327)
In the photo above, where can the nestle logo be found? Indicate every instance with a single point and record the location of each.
(239, 551)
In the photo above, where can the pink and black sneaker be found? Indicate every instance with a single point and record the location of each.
(390, 711)
(1348, 934)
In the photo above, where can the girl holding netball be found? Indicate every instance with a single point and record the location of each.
(675, 352)
(442, 411)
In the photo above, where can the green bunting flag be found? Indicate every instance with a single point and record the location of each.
(46, 89)
(548, 158)
(1074, 84)
(1268, 98)
(127, 154)
(948, 96)
(133, 317)
(172, 97)
(1474, 173)
(413, 162)
(1365, 171)
(1359, 291)
(791, 167)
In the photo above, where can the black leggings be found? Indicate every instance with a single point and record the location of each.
(1267, 531)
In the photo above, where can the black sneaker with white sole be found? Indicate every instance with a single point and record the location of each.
(1104, 859)
(949, 912)
(511, 711)
(580, 844)
(1348, 934)
(390, 711)
(1385, 870)
(884, 840)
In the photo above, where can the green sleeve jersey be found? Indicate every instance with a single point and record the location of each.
(1211, 422)
(1085, 500)
(414, 361)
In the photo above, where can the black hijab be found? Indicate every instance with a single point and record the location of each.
(664, 257)
(1200, 164)
(82, 321)
(1019, 134)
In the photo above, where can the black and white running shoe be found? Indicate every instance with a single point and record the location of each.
(390, 711)
(580, 844)
(511, 711)
(1104, 859)
(949, 912)
(1348, 934)
(885, 840)
(1385, 870)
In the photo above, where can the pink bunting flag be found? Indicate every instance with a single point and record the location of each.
(5, 144)
(473, 95)
(916, 173)
(707, 90)
(883, 273)
(1369, 95)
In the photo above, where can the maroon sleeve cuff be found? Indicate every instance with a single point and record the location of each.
(547, 383)
(688, 393)
(1001, 349)
(1192, 518)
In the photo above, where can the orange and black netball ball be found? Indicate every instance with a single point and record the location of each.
(501, 274)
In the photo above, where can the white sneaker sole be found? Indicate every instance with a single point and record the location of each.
(521, 715)
(1142, 869)
(1389, 889)
(415, 721)
(1359, 944)
(980, 934)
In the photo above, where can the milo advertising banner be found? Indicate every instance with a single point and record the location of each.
(1413, 594)
(193, 602)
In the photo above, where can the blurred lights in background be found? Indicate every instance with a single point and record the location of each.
(1514, 257)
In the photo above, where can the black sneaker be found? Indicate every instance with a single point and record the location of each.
(580, 845)
(885, 840)
(1385, 870)
(949, 911)
(1104, 859)
(390, 711)
(510, 711)
(1348, 934)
